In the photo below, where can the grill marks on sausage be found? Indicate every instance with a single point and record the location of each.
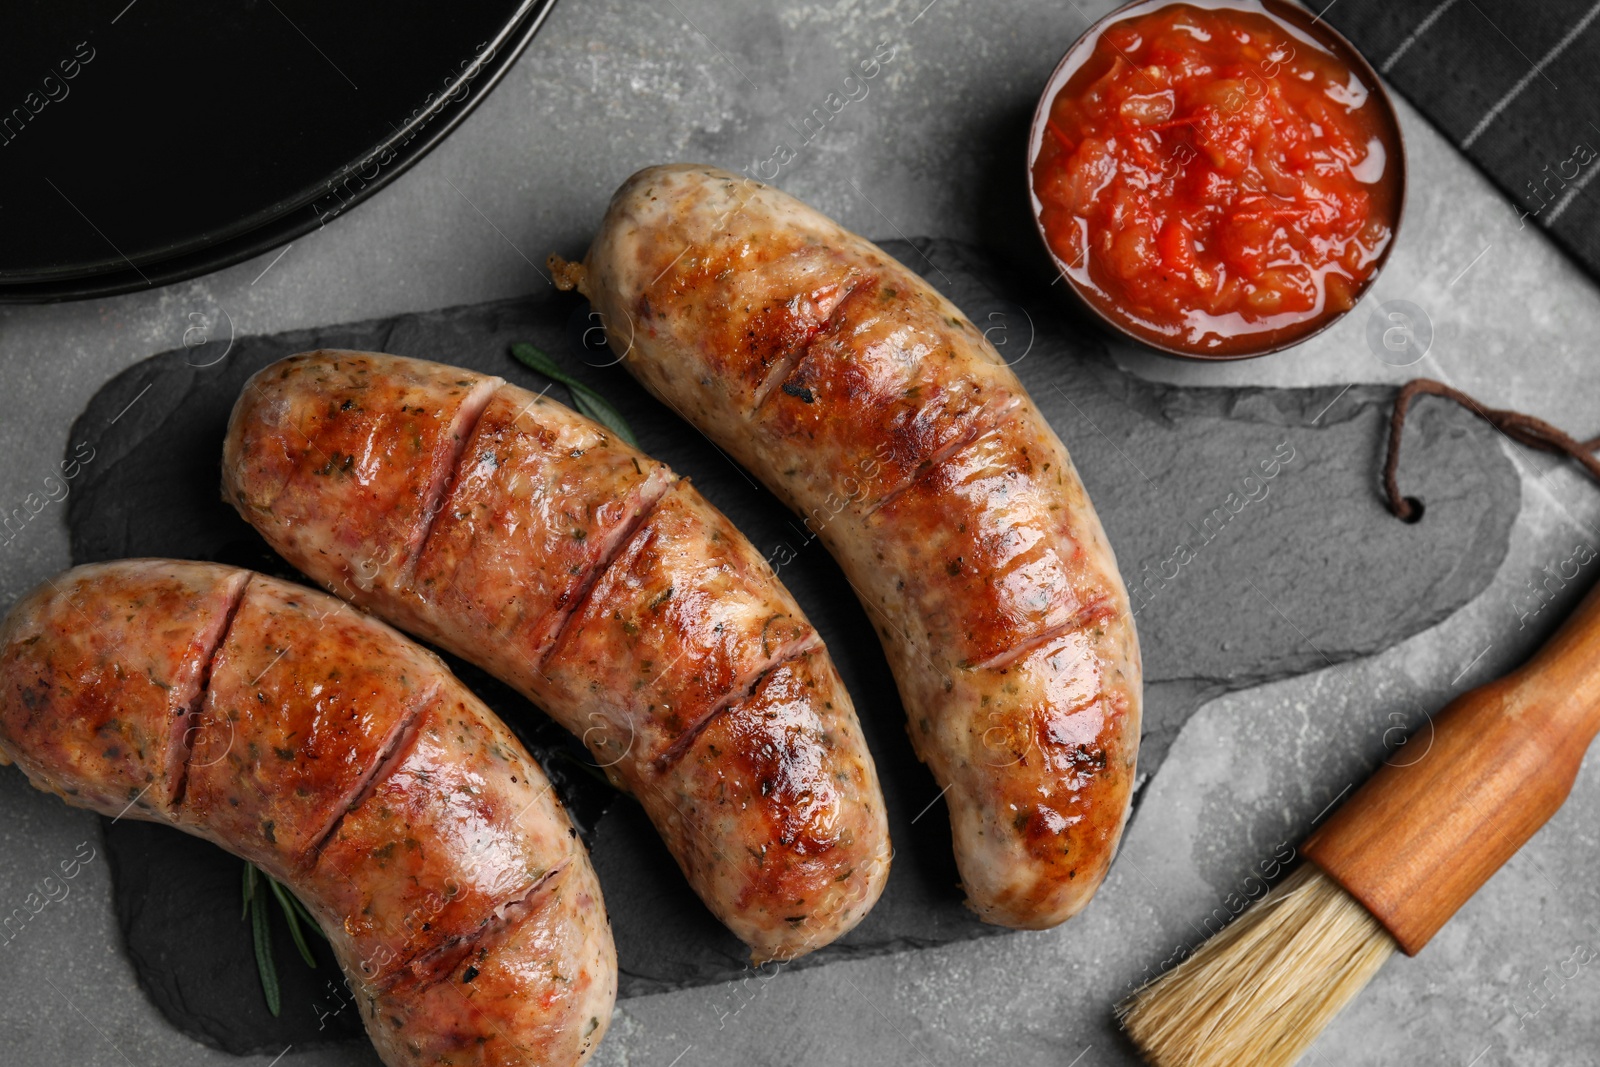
(1100, 609)
(447, 842)
(429, 968)
(463, 425)
(760, 809)
(758, 813)
(181, 745)
(871, 375)
(780, 334)
(401, 735)
(617, 543)
(305, 698)
(992, 563)
(531, 482)
(924, 469)
(524, 993)
(793, 648)
(753, 332)
(537, 484)
(385, 438)
(455, 865)
(939, 472)
(878, 393)
(429, 957)
(902, 395)
(123, 648)
(707, 678)
(683, 622)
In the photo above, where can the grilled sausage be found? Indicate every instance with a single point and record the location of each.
(523, 537)
(874, 408)
(346, 762)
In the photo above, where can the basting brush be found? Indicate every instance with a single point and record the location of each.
(1386, 870)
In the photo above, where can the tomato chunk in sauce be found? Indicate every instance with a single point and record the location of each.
(1217, 180)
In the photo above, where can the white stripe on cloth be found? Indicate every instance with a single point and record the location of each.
(1572, 193)
(1422, 27)
(1537, 71)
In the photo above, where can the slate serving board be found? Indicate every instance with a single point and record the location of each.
(1242, 578)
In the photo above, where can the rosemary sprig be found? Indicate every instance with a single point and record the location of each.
(292, 915)
(261, 934)
(257, 911)
(584, 398)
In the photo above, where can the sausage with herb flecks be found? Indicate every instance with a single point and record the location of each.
(347, 763)
(534, 542)
(873, 407)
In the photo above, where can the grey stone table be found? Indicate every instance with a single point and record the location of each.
(610, 86)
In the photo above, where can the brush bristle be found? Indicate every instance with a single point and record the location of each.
(1262, 990)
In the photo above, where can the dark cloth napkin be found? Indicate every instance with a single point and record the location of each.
(1515, 84)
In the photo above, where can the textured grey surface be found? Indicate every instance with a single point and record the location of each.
(933, 149)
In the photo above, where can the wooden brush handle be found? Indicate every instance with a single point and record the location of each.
(1416, 841)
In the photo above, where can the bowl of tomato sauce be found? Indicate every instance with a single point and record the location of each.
(1217, 179)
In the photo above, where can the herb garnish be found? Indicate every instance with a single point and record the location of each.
(584, 398)
(260, 916)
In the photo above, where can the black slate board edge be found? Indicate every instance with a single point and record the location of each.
(1353, 403)
(1181, 696)
(152, 398)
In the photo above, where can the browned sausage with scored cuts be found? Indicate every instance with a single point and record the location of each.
(347, 763)
(532, 541)
(872, 406)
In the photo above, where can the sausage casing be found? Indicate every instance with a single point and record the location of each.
(873, 407)
(346, 762)
(519, 535)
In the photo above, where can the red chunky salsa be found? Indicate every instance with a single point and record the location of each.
(1215, 179)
